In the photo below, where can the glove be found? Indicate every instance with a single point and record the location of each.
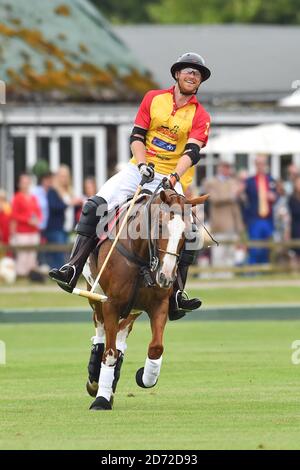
(146, 171)
(170, 181)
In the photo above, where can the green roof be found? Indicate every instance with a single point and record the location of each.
(65, 50)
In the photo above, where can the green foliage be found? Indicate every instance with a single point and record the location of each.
(125, 11)
(201, 11)
(229, 11)
(40, 168)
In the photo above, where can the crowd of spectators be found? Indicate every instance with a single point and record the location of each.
(45, 213)
(241, 207)
(254, 208)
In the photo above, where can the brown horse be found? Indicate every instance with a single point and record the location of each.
(157, 255)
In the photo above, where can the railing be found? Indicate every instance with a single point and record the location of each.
(274, 266)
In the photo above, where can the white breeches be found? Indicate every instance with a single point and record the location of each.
(124, 184)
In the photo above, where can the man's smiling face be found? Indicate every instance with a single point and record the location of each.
(189, 80)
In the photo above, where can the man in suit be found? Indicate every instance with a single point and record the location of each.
(224, 215)
(261, 195)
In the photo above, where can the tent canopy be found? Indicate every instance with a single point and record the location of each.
(267, 138)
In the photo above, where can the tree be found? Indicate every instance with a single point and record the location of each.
(225, 11)
(125, 11)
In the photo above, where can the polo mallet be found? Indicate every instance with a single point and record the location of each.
(91, 294)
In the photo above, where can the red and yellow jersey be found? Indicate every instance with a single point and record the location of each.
(169, 129)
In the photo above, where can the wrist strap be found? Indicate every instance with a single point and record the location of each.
(141, 164)
(176, 175)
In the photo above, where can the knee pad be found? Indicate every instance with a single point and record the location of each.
(93, 210)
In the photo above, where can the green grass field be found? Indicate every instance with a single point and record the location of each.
(224, 385)
(218, 296)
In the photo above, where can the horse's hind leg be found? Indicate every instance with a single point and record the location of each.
(125, 327)
(147, 376)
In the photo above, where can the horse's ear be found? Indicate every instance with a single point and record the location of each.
(198, 200)
(163, 196)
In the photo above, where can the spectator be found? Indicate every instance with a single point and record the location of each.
(261, 196)
(61, 214)
(292, 173)
(26, 218)
(281, 214)
(242, 178)
(5, 217)
(89, 190)
(54, 232)
(89, 187)
(41, 193)
(63, 185)
(294, 206)
(224, 215)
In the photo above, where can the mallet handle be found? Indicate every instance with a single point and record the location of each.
(90, 295)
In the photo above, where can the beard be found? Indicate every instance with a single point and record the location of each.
(186, 93)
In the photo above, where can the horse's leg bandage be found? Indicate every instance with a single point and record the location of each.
(151, 371)
(107, 375)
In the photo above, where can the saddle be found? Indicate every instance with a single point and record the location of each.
(114, 215)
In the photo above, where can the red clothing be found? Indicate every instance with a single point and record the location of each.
(24, 207)
(4, 227)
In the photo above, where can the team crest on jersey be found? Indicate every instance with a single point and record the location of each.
(163, 145)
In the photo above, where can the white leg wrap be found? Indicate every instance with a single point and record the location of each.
(105, 381)
(151, 371)
(100, 334)
(121, 340)
(98, 339)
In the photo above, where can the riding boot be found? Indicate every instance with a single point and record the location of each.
(86, 241)
(179, 302)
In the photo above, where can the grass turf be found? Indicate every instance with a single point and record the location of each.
(224, 385)
(211, 297)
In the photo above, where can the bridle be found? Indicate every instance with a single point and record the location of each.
(152, 264)
(152, 244)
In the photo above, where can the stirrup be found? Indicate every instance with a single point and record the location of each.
(182, 293)
(187, 304)
(69, 266)
(67, 285)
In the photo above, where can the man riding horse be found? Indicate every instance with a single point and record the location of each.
(170, 128)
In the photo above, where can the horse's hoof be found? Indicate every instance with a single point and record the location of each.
(139, 379)
(100, 404)
(92, 388)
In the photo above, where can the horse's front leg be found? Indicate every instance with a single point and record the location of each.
(97, 351)
(111, 313)
(147, 376)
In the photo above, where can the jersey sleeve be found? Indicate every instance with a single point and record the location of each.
(143, 116)
(200, 126)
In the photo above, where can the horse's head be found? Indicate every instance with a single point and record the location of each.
(172, 221)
